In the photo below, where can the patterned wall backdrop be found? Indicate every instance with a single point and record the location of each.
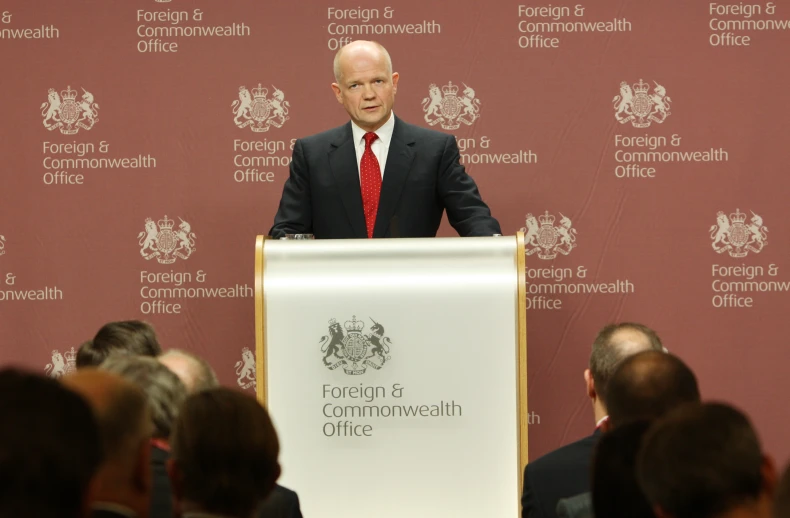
(642, 146)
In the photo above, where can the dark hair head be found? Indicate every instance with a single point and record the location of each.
(615, 490)
(229, 468)
(701, 460)
(164, 391)
(647, 385)
(127, 337)
(614, 343)
(50, 447)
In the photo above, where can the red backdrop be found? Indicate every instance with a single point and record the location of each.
(623, 128)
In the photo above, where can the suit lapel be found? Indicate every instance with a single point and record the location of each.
(343, 163)
(396, 171)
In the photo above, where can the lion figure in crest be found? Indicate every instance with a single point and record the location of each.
(242, 106)
(432, 105)
(148, 237)
(57, 368)
(50, 109)
(245, 368)
(622, 102)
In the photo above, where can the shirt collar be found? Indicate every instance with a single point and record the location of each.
(601, 422)
(384, 132)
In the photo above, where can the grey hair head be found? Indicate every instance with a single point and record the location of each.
(165, 392)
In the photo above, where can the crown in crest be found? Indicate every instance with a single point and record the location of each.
(68, 94)
(166, 223)
(260, 91)
(641, 87)
(71, 356)
(354, 325)
(738, 216)
(450, 89)
(546, 219)
(163, 1)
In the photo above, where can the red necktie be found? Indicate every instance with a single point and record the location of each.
(370, 182)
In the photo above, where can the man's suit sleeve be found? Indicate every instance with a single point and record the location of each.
(294, 216)
(466, 211)
(530, 507)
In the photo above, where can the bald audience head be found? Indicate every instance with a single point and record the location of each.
(613, 344)
(193, 371)
(124, 423)
(647, 385)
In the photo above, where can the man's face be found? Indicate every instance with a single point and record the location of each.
(366, 89)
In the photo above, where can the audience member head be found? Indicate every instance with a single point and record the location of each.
(227, 470)
(705, 461)
(163, 389)
(782, 501)
(615, 489)
(614, 343)
(192, 370)
(50, 448)
(121, 410)
(647, 385)
(126, 337)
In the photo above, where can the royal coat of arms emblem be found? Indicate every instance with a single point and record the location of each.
(259, 112)
(447, 108)
(640, 107)
(732, 234)
(159, 240)
(353, 350)
(547, 239)
(63, 111)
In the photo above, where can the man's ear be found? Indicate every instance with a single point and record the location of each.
(142, 469)
(769, 475)
(395, 77)
(590, 382)
(338, 92)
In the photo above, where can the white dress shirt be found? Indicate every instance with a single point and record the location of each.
(380, 146)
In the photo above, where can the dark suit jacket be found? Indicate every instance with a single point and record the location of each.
(422, 178)
(161, 500)
(563, 473)
(579, 506)
(282, 503)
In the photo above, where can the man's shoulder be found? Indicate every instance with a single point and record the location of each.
(573, 453)
(327, 136)
(420, 134)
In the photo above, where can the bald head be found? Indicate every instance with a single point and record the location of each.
(613, 344)
(193, 371)
(121, 411)
(647, 385)
(360, 50)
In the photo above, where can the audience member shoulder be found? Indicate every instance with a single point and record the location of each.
(581, 448)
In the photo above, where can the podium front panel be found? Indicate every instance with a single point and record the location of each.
(391, 374)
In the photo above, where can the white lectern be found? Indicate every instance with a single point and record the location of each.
(395, 372)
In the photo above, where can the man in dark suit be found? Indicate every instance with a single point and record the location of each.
(644, 387)
(377, 176)
(565, 472)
